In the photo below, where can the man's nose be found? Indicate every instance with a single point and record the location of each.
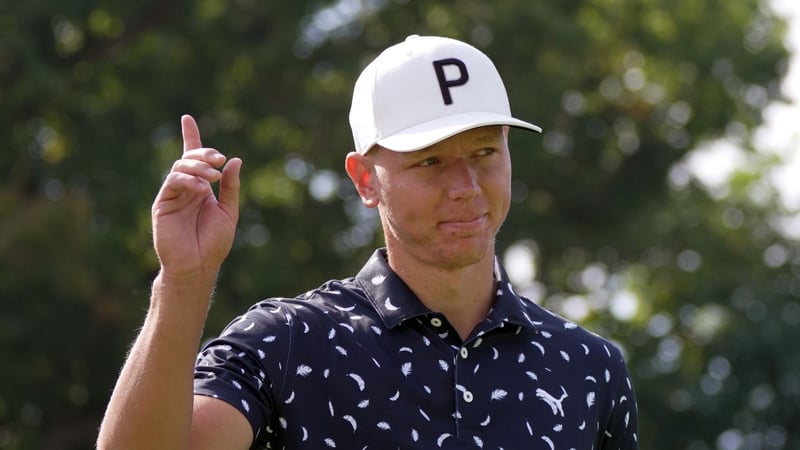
(462, 181)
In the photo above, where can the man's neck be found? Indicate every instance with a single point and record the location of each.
(463, 294)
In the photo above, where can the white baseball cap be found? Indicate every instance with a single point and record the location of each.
(424, 90)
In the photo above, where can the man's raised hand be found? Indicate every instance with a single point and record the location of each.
(193, 230)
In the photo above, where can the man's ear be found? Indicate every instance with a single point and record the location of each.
(359, 169)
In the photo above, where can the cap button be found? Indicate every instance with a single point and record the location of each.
(411, 36)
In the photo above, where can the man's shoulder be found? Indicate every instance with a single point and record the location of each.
(553, 326)
(332, 298)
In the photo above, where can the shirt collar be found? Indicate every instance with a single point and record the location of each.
(395, 302)
(390, 296)
(509, 306)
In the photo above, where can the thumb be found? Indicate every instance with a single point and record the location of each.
(229, 187)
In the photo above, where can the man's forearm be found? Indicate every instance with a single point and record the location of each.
(151, 406)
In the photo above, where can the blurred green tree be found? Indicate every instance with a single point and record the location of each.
(700, 290)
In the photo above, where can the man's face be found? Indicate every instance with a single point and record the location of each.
(443, 205)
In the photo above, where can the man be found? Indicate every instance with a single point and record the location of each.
(428, 346)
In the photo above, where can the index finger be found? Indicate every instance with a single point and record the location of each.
(191, 134)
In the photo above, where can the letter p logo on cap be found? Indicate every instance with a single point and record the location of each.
(444, 83)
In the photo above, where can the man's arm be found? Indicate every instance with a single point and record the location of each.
(622, 431)
(153, 406)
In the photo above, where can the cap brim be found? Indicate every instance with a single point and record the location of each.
(429, 133)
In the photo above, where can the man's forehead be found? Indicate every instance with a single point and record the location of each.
(480, 135)
(490, 134)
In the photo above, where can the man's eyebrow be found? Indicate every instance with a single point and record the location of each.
(487, 139)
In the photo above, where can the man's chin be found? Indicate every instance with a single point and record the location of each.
(465, 254)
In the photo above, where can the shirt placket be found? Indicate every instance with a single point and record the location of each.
(471, 395)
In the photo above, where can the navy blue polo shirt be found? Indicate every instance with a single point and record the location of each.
(361, 363)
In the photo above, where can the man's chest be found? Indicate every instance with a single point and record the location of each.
(422, 391)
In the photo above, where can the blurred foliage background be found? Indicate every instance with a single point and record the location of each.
(608, 225)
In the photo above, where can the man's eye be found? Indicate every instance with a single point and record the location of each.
(427, 162)
(486, 151)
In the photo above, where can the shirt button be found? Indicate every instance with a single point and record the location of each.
(468, 396)
(437, 322)
(464, 352)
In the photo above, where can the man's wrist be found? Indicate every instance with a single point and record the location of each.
(190, 293)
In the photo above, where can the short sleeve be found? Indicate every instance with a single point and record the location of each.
(236, 366)
(622, 426)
